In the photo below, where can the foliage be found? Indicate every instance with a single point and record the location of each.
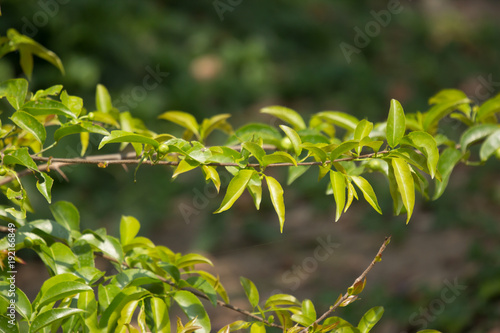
(408, 149)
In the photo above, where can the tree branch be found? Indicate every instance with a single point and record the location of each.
(360, 278)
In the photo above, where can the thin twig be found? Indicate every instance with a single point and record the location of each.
(200, 294)
(360, 278)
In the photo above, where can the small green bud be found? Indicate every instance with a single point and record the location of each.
(163, 149)
(91, 116)
(28, 242)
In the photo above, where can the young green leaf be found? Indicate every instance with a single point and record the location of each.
(183, 119)
(66, 214)
(288, 115)
(294, 139)
(254, 186)
(396, 124)
(255, 150)
(102, 99)
(216, 122)
(251, 291)
(159, 313)
(62, 290)
(185, 165)
(278, 157)
(343, 148)
(211, 174)
(30, 124)
(370, 318)
(447, 161)
(341, 119)
(46, 107)
(123, 136)
(338, 182)
(15, 90)
(276, 192)
(45, 187)
(252, 131)
(368, 192)
(439, 111)
(363, 129)
(404, 179)
(428, 146)
(351, 194)
(20, 156)
(476, 133)
(51, 316)
(490, 145)
(235, 189)
(83, 127)
(129, 227)
(488, 108)
(193, 309)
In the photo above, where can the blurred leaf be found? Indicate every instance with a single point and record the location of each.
(294, 172)
(252, 131)
(74, 103)
(129, 227)
(20, 156)
(406, 187)
(281, 299)
(487, 109)
(427, 145)
(15, 90)
(288, 115)
(251, 291)
(102, 99)
(447, 161)
(396, 124)
(490, 145)
(183, 119)
(159, 312)
(122, 136)
(258, 327)
(441, 110)
(276, 192)
(193, 308)
(476, 133)
(357, 287)
(66, 214)
(368, 192)
(30, 124)
(341, 119)
(191, 259)
(316, 150)
(370, 319)
(216, 122)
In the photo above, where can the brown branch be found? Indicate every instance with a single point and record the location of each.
(199, 294)
(360, 278)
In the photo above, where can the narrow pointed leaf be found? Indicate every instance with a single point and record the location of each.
(50, 316)
(278, 157)
(276, 192)
(235, 189)
(46, 107)
(255, 150)
(428, 146)
(123, 136)
(102, 99)
(476, 133)
(343, 148)
(368, 192)
(83, 127)
(254, 186)
(294, 139)
(216, 122)
(396, 124)
(488, 108)
(45, 187)
(251, 291)
(404, 179)
(288, 115)
(66, 214)
(370, 318)
(341, 119)
(447, 161)
(338, 182)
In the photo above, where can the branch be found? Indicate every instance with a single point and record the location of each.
(360, 278)
(199, 294)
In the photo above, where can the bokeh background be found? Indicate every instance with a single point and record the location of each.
(441, 271)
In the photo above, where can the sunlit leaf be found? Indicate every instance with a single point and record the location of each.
(490, 145)
(427, 145)
(278, 157)
(123, 136)
(15, 90)
(30, 124)
(439, 111)
(288, 115)
(488, 108)
(193, 309)
(84, 126)
(50, 316)
(276, 192)
(476, 133)
(251, 291)
(396, 124)
(368, 192)
(406, 187)
(341, 119)
(338, 182)
(102, 99)
(294, 139)
(370, 318)
(45, 187)
(44, 107)
(447, 161)
(183, 119)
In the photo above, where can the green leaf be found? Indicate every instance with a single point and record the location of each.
(216, 122)
(370, 318)
(58, 257)
(490, 145)
(45, 187)
(193, 309)
(185, 165)
(102, 99)
(447, 161)
(15, 90)
(112, 313)
(281, 299)
(294, 172)
(294, 139)
(66, 214)
(288, 115)
(361, 133)
(441, 110)
(258, 327)
(30, 124)
(278, 157)
(159, 313)
(134, 277)
(338, 182)
(200, 283)
(253, 131)
(487, 109)
(428, 146)
(20, 156)
(44, 107)
(341, 119)
(62, 290)
(255, 150)
(406, 186)
(476, 133)
(251, 291)
(107, 244)
(129, 227)
(51, 91)
(343, 148)
(183, 119)
(51, 316)
(191, 259)
(83, 127)
(254, 186)
(211, 174)
(368, 192)
(316, 150)
(235, 189)
(74, 103)
(123, 136)
(396, 124)
(276, 192)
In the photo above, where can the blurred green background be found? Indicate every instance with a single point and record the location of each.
(212, 57)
